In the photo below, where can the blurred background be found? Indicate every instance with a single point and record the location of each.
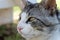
(9, 15)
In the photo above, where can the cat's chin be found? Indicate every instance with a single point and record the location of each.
(31, 34)
(35, 36)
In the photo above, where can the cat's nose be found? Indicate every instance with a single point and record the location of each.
(19, 28)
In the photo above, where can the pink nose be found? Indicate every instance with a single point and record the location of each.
(20, 28)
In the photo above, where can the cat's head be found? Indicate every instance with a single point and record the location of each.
(38, 19)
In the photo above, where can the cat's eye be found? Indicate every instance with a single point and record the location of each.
(31, 19)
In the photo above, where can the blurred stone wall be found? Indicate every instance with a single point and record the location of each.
(6, 16)
(6, 10)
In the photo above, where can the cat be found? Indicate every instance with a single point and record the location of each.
(40, 21)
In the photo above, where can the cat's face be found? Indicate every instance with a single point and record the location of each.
(36, 22)
(39, 20)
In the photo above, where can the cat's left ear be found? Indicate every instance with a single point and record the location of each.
(49, 4)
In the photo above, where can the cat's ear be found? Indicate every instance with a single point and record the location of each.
(49, 4)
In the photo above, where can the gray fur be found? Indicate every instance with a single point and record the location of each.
(43, 15)
(44, 24)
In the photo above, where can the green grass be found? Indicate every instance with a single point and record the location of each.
(14, 35)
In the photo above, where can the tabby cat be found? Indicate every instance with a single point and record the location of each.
(40, 21)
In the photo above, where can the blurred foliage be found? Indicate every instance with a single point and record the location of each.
(16, 8)
(9, 32)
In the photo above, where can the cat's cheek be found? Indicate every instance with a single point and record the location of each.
(26, 30)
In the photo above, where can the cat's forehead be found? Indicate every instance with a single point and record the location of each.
(38, 11)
